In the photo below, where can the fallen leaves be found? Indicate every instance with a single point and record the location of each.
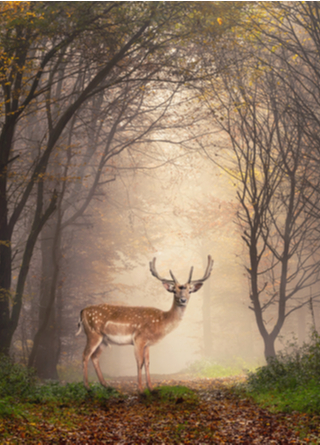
(210, 414)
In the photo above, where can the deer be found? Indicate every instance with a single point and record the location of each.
(142, 327)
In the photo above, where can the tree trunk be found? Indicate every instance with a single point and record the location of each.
(206, 316)
(48, 352)
(269, 349)
(6, 138)
(5, 291)
(47, 349)
(301, 321)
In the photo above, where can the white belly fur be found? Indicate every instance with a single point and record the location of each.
(119, 339)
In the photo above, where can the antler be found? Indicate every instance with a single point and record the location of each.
(190, 275)
(206, 274)
(174, 280)
(154, 272)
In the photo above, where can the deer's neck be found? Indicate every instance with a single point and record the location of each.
(175, 315)
(166, 323)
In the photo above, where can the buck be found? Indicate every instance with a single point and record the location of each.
(141, 327)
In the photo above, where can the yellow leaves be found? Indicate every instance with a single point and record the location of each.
(5, 243)
(219, 20)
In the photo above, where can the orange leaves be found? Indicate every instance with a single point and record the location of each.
(216, 417)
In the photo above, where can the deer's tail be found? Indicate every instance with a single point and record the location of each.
(79, 324)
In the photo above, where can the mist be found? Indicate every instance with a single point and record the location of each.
(179, 214)
(141, 147)
(163, 213)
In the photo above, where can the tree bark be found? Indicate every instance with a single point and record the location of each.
(269, 349)
(6, 138)
(46, 342)
(47, 351)
(206, 311)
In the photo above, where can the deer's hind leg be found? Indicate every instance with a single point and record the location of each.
(92, 350)
(95, 360)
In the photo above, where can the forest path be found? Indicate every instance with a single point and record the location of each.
(215, 416)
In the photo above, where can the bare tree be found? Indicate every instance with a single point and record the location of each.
(45, 45)
(111, 128)
(270, 165)
(291, 33)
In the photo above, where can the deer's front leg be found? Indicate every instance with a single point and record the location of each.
(146, 365)
(139, 347)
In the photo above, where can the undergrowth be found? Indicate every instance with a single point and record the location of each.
(208, 367)
(15, 379)
(290, 381)
(20, 387)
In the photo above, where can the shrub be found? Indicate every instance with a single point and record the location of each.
(290, 381)
(289, 369)
(15, 380)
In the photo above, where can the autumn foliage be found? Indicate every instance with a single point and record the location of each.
(188, 412)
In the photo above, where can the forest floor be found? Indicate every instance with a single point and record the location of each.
(210, 412)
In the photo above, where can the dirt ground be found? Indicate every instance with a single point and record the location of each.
(216, 415)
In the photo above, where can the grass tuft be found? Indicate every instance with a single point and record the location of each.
(211, 369)
(170, 394)
(176, 392)
(69, 393)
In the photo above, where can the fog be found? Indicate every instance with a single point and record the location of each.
(179, 214)
(147, 147)
(178, 207)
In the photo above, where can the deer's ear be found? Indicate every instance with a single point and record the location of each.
(195, 287)
(169, 287)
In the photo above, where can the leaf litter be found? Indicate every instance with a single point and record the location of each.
(208, 412)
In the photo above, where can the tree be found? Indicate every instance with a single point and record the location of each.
(42, 43)
(271, 166)
(109, 129)
(294, 43)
